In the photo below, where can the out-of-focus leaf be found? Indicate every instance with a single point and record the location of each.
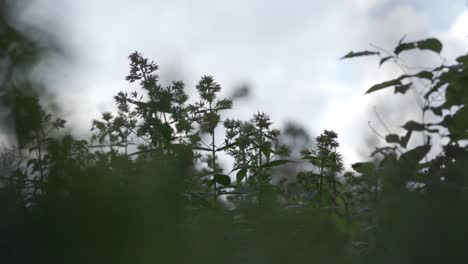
(404, 46)
(414, 126)
(424, 75)
(402, 88)
(222, 179)
(353, 54)
(275, 163)
(430, 44)
(383, 60)
(241, 175)
(364, 167)
(416, 154)
(404, 140)
(392, 138)
(383, 85)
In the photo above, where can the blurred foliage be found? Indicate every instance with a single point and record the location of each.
(419, 203)
(148, 186)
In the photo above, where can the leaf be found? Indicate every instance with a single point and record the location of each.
(463, 59)
(222, 179)
(404, 46)
(275, 163)
(424, 75)
(437, 110)
(353, 54)
(430, 44)
(402, 88)
(392, 138)
(363, 167)
(383, 60)
(241, 175)
(313, 159)
(402, 38)
(383, 85)
(266, 150)
(404, 140)
(416, 154)
(414, 126)
(382, 150)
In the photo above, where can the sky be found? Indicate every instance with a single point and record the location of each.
(287, 52)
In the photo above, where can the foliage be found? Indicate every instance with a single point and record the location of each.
(148, 186)
(414, 193)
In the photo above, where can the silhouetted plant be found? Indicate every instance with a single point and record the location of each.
(423, 192)
(206, 113)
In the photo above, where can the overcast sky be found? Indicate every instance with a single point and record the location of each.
(286, 51)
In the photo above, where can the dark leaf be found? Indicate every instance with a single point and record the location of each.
(383, 60)
(437, 110)
(402, 88)
(392, 138)
(364, 167)
(383, 85)
(241, 175)
(222, 179)
(404, 140)
(353, 54)
(276, 163)
(430, 44)
(404, 46)
(463, 59)
(416, 154)
(424, 75)
(414, 126)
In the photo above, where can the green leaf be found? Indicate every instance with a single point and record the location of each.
(384, 85)
(424, 75)
(392, 138)
(364, 167)
(241, 175)
(404, 46)
(266, 150)
(201, 148)
(414, 126)
(402, 88)
(383, 60)
(463, 59)
(430, 44)
(353, 54)
(275, 163)
(401, 40)
(416, 154)
(222, 179)
(313, 159)
(404, 140)
(437, 110)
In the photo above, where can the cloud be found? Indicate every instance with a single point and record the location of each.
(369, 4)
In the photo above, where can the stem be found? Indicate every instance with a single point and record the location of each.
(213, 155)
(213, 160)
(334, 184)
(260, 154)
(39, 153)
(321, 176)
